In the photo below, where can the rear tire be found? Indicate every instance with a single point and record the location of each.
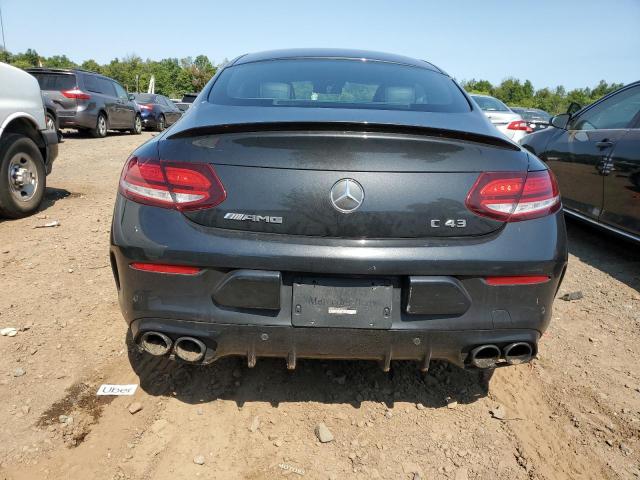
(137, 125)
(100, 130)
(22, 176)
(161, 124)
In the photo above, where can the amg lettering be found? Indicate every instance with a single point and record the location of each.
(252, 218)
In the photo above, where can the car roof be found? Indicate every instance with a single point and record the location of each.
(335, 53)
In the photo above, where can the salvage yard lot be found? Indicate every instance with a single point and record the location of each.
(573, 413)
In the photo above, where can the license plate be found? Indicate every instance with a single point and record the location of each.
(342, 303)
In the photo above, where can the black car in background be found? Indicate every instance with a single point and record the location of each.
(337, 204)
(157, 111)
(88, 101)
(536, 119)
(595, 155)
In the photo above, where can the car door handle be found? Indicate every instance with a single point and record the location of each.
(604, 144)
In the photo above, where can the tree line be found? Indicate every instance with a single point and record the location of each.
(515, 93)
(175, 77)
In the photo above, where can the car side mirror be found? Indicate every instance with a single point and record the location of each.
(574, 108)
(561, 121)
(132, 97)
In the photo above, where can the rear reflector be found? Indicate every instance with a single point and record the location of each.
(520, 125)
(164, 268)
(517, 280)
(514, 196)
(76, 93)
(179, 185)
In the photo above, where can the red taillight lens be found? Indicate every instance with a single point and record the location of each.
(76, 93)
(520, 125)
(517, 280)
(145, 107)
(514, 196)
(180, 185)
(164, 268)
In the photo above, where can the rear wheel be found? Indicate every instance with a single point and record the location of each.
(161, 124)
(50, 122)
(22, 176)
(137, 125)
(100, 131)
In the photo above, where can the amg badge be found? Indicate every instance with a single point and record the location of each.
(252, 218)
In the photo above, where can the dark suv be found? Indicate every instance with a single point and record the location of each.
(88, 102)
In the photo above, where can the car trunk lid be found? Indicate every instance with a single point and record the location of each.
(352, 181)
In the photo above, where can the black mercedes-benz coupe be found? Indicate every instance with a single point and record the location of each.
(337, 204)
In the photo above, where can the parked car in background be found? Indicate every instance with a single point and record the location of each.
(536, 119)
(88, 102)
(317, 205)
(503, 118)
(186, 101)
(157, 111)
(27, 147)
(595, 155)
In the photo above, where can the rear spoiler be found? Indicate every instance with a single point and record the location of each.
(345, 127)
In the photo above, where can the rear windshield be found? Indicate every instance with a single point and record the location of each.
(55, 81)
(145, 98)
(316, 83)
(490, 104)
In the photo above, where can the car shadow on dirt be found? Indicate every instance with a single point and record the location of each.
(329, 382)
(609, 253)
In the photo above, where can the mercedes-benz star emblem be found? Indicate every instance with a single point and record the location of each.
(347, 195)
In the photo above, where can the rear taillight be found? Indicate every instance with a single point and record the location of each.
(178, 185)
(520, 125)
(514, 196)
(517, 280)
(76, 93)
(145, 107)
(165, 268)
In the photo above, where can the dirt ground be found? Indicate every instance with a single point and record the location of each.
(572, 413)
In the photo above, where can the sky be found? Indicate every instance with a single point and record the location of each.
(562, 42)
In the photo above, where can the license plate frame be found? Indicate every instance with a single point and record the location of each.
(342, 302)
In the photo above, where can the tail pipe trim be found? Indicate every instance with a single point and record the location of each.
(518, 352)
(190, 349)
(155, 343)
(484, 356)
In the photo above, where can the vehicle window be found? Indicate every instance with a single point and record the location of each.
(55, 81)
(106, 86)
(490, 104)
(614, 112)
(145, 98)
(329, 83)
(91, 84)
(120, 91)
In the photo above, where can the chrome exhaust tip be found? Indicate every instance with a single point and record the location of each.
(484, 356)
(155, 343)
(517, 353)
(189, 349)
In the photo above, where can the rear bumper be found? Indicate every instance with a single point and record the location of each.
(50, 138)
(181, 305)
(293, 343)
(80, 119)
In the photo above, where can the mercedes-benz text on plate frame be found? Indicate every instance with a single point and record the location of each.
(347, 195)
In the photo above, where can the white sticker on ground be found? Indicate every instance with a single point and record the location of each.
(107, 389)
